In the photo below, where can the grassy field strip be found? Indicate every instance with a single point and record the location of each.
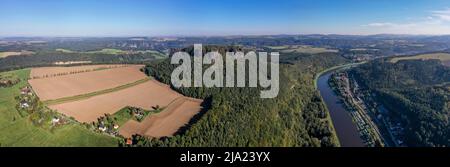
(440, 56)
(302, 49)
(6, 54)
(86, 96)
(79, 71)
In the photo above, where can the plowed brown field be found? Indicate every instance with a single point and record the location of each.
(83, 83)
(165, 123)
(145, 95)
(178, 111)
(49, 71)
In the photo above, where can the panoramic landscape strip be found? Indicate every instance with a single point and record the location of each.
(225, 74)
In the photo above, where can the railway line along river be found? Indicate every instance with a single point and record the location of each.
(345, 128)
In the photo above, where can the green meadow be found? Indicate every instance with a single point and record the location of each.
(437, 56)
(16, 130)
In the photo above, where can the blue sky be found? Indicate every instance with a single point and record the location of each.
(224, 17)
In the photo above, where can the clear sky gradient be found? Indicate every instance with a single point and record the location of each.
(221, 17)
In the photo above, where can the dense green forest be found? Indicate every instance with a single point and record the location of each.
(417, 92)
(48, 58)
(238, 117)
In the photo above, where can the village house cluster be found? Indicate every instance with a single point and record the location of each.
(27, 98)
(366, 112)
(107, 124)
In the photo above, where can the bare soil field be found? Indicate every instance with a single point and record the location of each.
(69, 82)
(145, 95)
(50, 71)
(83, 83)
(165, 123)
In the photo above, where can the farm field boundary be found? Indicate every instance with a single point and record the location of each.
(86, 96)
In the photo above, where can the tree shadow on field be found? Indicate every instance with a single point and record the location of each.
(206, 105)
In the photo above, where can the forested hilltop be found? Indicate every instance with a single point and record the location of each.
(49, 58)
(414, 91)
(239, 117)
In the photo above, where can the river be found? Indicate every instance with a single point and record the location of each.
(345, 128)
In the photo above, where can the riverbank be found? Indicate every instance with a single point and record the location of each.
(335, 68)
(351, 98)
(345, 131)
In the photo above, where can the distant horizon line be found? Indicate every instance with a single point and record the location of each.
(181, 36)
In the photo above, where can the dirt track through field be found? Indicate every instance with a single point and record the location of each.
(83, 83)
(165, 123)
(145, 95)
